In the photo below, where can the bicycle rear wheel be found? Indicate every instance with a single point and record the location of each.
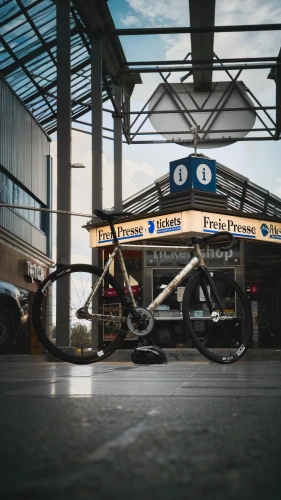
(227, 339)
(60, 331)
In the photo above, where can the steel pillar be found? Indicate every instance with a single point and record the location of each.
(96, 94)
(117, 117)
(63, 167)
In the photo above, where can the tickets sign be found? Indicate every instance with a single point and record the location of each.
(151, 227)
(187, 223)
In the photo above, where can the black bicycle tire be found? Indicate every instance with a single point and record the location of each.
(193, 282)
(37, 323)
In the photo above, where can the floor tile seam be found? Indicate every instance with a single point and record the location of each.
(129, 396)
(142, 396)
(141, 377)
(187, 383)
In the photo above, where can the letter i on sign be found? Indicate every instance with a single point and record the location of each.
(204, 174)
(180, 178)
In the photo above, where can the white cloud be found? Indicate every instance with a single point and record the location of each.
(277, 190)
(80, 258)
(249, 12)
(12, 25)
(163, 11)
(136, 176)
(176, 46)
(129, 20)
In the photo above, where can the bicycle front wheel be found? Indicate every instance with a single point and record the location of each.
(222, 337)
(55, 321)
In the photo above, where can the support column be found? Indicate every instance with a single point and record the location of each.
(96, 94)
(63, 167)
(96, 62)
(278, 99)
(117, 117)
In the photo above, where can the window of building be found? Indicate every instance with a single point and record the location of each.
(12, 193)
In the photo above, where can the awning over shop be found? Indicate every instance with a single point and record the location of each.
(184, 224)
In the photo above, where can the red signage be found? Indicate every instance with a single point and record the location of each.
(253, 288)
(110, 292)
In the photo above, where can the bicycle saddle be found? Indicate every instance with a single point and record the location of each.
(109, 215)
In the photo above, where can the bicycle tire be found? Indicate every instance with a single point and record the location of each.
(43, 313)
(225, 341)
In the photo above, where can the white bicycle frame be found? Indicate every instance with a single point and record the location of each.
(191, 264)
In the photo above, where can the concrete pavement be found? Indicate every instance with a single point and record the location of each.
(116, 430)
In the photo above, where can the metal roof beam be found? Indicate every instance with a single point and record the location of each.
(278, 100)
(14, 16)
(199, 61)
(202, 13)
(94, 15)
(275, 74)
(177, 31)
(36, 31)
(54, 83)
(202, 67)
(33, 55)
(27, 73)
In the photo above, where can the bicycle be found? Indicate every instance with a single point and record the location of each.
(213, 298)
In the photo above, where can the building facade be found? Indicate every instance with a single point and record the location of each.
(25, 233)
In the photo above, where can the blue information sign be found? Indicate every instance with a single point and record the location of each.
(193, 172)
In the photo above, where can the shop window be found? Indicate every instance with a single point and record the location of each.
(172, 305)
(133, 261)
(226, 293)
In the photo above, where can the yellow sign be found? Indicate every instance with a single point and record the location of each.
(187, 222)
(242, 227)
(151, 227)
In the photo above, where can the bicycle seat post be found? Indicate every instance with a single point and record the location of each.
(113, 231)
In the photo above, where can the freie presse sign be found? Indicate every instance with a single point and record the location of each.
(148, 228)
(187, 222)
(213, 223)
(242, 227)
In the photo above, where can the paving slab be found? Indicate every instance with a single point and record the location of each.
(185, 430)
(173, 354)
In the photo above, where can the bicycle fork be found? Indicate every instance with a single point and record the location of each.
(207, 277)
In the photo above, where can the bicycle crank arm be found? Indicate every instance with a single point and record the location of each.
(84, 314)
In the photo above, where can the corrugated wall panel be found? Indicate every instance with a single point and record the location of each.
(21, 228)
(23, 144)
(39, 162)
(38, 239)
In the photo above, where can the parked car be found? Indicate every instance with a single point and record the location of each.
(14, 312)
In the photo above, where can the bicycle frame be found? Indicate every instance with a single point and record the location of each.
(196, 260)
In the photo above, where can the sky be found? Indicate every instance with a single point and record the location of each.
(142, 164)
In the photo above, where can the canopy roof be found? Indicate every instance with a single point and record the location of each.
(28, 52)
(243, 195)
(28, 55)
